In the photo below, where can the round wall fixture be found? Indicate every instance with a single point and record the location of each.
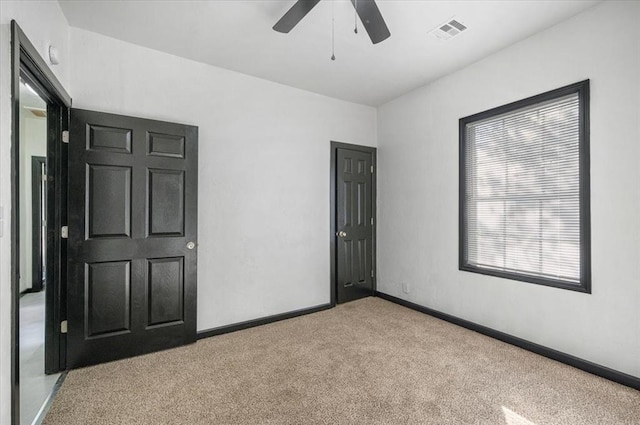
(53, 55)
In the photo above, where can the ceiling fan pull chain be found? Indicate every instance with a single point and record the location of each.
(333, 31)
(355, 17)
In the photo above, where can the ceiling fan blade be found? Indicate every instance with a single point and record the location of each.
(298, 11)
(372, 20)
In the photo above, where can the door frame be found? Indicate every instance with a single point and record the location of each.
(27, 63)
(333, 214)
(36, 222)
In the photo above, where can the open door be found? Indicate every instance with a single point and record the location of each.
(132, 236)
(38, 222)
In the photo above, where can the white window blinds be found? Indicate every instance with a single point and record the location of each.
(522, 191)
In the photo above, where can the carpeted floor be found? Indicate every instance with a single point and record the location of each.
(365, 362)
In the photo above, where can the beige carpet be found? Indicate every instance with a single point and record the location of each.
(366, 362)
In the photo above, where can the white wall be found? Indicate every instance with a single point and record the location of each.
(418, 189)
(264, 169)
(264, 178)
(44, 24)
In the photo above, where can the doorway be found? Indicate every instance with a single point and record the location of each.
(353, 222)
(36, 384)
(38, 199)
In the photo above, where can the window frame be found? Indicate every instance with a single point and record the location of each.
(582, 89)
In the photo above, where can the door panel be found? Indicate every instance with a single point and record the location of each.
(166, 202)
(109, 139)
(109, 201)
(354, 224)
(132, 212)
(108, 303)
(165, 284)
(166, 145)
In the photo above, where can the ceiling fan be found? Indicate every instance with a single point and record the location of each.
(367, 10)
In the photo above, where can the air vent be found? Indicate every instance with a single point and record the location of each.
(448, 29)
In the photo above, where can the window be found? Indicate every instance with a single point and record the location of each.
(524, 190)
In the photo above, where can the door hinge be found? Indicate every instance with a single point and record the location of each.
(64, 232)
(372, 221)
(65, 136)
(371, 272)
(372, 169)
(63, 327)
(44, 177)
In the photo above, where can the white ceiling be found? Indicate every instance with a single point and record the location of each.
(237, 35)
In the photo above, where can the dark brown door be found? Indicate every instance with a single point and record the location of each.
(354, 227)
(132, 236)
(38, 222)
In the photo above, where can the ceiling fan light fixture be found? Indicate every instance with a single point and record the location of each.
(367, 10)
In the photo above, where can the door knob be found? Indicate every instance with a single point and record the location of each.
(341, 234)
(191, 245)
